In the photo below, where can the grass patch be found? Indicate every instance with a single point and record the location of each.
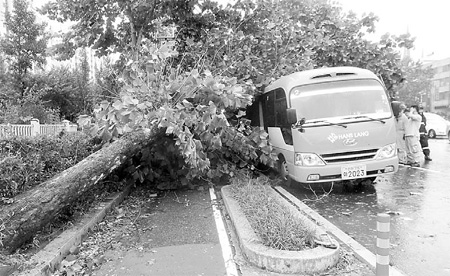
(272, 222)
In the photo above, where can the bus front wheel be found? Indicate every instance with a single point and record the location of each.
(283, 170)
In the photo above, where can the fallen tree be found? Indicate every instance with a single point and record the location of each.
(35, 208)
(199, 97)
(188, 109)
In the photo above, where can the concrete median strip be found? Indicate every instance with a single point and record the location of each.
(362, 253)
(306, 261)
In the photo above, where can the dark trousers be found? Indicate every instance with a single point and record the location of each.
(424, 144)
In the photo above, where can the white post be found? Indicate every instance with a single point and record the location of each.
(36, 127)
(66, 125)
(382, 248)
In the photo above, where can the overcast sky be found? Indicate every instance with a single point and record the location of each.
(428, 21)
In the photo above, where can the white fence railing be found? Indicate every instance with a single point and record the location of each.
(35, 128)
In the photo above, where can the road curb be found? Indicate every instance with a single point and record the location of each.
(49, 258)
(281, 261)
(362, 253)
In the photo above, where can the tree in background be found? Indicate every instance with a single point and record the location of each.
(24, 44)
(68, 90)
(112, 26)
(30, 106)
(263, 40)
(417, 83)
(84, 84)
(5, 83)
(107, 85)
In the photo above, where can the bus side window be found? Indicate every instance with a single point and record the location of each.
(281, 120)
(252, 113)
(280, 108)
(274, 113)
(268, 109)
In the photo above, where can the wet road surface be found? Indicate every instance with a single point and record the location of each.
(418, 200)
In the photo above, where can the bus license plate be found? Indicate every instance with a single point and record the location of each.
(354, 171)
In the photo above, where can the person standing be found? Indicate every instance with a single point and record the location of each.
(401, 121)
(424, 135)
(412, 135)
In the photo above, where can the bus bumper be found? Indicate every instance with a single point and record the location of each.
(332, 172)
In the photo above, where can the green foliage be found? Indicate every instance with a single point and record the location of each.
(107, 85)
(26, 162)
(192, 107)
(83, 83)
(117, 25)
(160, 163)
(24, 43)
(278, 38)
(9, 113)
(30, 106)
(6, 82)
(276, 226)
(67, 90)
(58, 93)
(259, 40)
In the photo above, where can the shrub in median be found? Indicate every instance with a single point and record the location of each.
(274, 223)
(28, 161)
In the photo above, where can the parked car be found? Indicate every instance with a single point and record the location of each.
(437, 126)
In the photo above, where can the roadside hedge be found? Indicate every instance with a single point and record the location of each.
(28, 161)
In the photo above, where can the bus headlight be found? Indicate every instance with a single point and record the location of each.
(387, 151)
(307, 159)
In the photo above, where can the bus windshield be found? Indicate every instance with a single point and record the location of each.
(342, 100)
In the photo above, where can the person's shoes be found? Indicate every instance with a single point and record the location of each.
(427, 158)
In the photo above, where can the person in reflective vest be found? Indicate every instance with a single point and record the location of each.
(424, 135)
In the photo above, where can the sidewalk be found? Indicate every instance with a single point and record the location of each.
(183, 240)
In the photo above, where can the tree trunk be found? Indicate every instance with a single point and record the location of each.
(35, 208)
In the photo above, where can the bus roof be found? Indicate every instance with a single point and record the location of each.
(320, 75)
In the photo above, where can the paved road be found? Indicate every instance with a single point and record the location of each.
(418, 200)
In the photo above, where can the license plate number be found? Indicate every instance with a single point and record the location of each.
(353, 171)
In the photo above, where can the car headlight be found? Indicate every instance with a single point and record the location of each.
(387, 151)
(307, 159)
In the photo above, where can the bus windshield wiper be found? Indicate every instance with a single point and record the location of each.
(326, 122)
(366, 117)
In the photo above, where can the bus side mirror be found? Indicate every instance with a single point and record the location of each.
(291, 116)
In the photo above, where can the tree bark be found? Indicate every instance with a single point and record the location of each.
(35, 208)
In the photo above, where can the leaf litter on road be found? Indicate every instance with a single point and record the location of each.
(119, 230)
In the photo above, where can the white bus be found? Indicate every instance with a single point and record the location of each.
(329, 124)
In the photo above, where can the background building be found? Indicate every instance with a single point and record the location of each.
(438, 100)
